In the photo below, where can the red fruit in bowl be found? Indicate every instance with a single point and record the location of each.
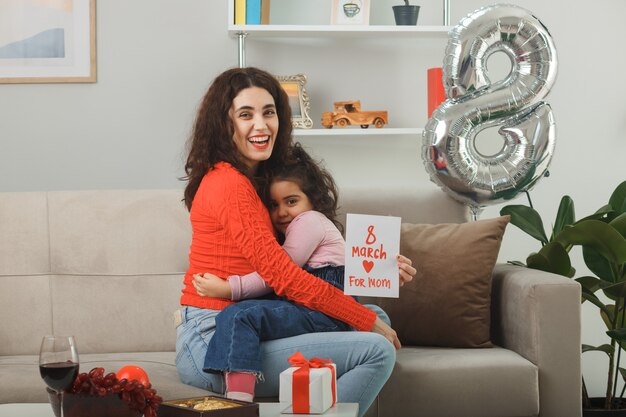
(130, 372)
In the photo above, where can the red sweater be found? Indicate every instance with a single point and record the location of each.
(233, 235)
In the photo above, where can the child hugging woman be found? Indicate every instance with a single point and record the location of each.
(302, 201)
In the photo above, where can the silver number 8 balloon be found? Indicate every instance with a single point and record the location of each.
(473, 104)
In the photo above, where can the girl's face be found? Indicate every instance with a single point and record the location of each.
(286, 201)
(255, 122)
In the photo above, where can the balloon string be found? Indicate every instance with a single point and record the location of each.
(530, 202)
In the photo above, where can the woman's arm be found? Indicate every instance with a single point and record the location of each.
(240, 213)
(304, 234)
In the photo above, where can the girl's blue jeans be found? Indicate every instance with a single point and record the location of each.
(241, 327)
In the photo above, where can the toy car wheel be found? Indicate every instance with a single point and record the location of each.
(342, 123)
(365, 126)
(379, 123)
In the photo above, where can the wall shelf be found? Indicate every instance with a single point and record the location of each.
(334, 31)
(358, 32)
(372, 131)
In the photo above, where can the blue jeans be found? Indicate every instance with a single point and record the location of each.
(333, 274)
(364, 360)
(241, 327)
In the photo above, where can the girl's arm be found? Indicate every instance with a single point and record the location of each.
(235, 287)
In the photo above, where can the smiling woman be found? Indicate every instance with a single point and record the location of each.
(241, 136)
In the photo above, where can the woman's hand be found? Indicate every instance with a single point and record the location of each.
(383, 328)
(407, 272)
(210, 285)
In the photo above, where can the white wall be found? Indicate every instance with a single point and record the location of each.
(157, 57)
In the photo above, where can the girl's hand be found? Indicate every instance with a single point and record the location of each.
(382, 328)
(407, 272)
(210, 285)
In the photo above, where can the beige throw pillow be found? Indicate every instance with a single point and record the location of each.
(448, 302)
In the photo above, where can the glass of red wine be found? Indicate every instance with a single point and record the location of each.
(58, 363)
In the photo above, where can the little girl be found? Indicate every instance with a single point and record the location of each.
(302, 203)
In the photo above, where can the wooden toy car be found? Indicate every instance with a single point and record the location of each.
(349, 113)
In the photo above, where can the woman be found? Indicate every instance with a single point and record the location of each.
(243, 131)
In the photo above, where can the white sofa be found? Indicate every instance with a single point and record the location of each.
(107, 267)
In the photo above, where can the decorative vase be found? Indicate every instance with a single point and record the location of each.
(406, 15)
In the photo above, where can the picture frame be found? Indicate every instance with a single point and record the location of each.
(50, 41)
(298, 99)
(350, 12)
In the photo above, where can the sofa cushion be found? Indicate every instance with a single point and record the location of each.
(24, 247)
(109, 313)
(25, 308)
(448, 302)
(131, 232)
(451, 382)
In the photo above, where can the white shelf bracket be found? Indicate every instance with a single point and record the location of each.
(446, 12)
(242, 48)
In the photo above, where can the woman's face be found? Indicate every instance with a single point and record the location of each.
(254, 117)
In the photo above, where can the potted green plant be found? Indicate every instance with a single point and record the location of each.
(406, 14)
(602, 238)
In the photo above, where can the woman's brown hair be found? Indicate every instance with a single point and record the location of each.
(212, 138)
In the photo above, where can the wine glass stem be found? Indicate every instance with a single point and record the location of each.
(61, 400)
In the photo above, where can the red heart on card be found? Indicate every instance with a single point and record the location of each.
(368, 265)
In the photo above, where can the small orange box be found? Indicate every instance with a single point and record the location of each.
(436, 91)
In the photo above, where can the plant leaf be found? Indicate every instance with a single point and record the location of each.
(564, 216)
(598, 264)
(551, 258)
(618, 199)
(589, 284)
(614, 291)
(617, 334)
(598, 235)
(607, 315)
(608, 349)
(619, 224)
(605, 311)
(527, 219)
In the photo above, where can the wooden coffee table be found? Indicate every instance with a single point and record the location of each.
(265, 410)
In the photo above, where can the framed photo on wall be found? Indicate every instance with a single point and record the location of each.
(298, 99)
(52, 41)
(350, 12)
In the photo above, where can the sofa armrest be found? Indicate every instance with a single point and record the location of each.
(537, 315)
